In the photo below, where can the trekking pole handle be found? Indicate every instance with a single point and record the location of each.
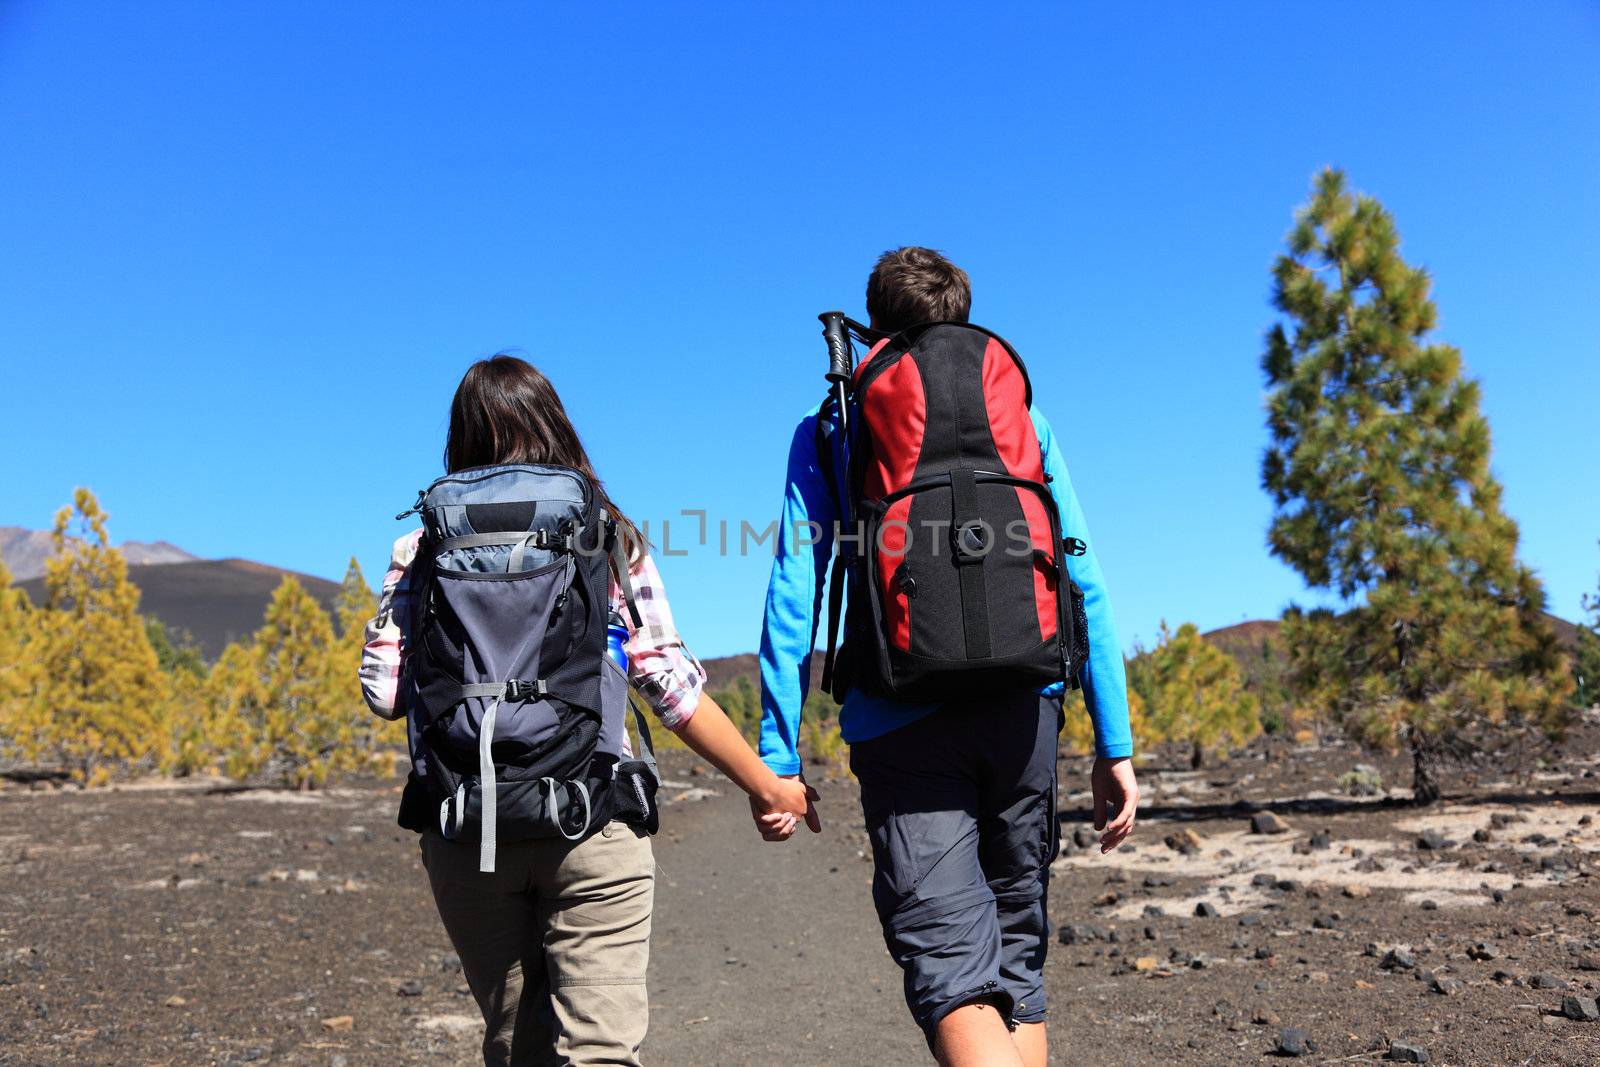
(837, 335)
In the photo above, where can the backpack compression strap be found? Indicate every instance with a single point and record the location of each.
(544, 539)
(969, 563)
(488, 808)
(520, 543)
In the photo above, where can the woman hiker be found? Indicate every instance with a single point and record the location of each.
(491, 638)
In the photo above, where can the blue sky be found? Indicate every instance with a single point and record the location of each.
(246, 250)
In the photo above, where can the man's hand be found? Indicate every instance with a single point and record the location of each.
(778, 815)
(1116, 794)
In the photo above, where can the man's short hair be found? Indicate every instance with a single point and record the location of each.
(912, 284)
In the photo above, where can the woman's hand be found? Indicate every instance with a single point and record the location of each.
(778, 809)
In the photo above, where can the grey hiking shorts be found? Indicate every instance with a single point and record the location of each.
(960, 806)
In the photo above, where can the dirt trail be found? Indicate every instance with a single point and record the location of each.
(770, 953)
(172, 926)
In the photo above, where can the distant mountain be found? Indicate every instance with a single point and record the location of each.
(723, 671)
(1251, 643)
(146, 553)
(214, 601)
(1248, 642)
(24, 552)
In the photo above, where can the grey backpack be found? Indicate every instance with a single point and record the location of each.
(515, 714)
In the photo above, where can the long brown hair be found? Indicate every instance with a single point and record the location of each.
(505, 411)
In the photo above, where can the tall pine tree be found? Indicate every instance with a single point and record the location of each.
(1379, 470)
(101, 696)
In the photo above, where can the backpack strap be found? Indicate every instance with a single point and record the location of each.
(827, 413)
(558, 796)
(620, 568)
(835, 604)
(648, 754)
(488, 808)
(520, 542)
(515, 689)
(969, 565)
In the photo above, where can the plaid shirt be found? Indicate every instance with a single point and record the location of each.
(660, 668)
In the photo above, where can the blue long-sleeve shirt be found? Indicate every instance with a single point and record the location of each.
(795, 607)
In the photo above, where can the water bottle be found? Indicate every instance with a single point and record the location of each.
(616, 637)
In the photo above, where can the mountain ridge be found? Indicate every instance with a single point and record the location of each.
(210, 602)
(24, 552)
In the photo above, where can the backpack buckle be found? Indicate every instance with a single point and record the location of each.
(561, 540)
(971, 541)
(1074, 547)
(519, 690)
(904, 581)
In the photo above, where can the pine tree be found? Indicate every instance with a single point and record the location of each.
(229, 728)
(1194, 693)
(197, 735)
(174, 651)
(100, 696)
(356, 604)
(288, 696)
(1588, 658)
(1379, 471)
(194, 738)
(1077, 733)
(17, 673)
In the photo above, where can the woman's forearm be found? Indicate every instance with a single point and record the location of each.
(716, 740)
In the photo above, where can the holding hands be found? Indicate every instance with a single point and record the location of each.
(779, 810)
(777, 802)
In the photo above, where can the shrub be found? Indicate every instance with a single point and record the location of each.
(1194, 693)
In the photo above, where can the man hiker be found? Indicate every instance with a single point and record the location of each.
(967, 555)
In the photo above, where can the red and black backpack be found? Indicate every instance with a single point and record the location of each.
(958, 583)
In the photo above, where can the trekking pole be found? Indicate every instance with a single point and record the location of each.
(836, 331)
(837, 334)
(839, 330)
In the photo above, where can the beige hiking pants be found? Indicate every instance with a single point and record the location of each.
(554, 943)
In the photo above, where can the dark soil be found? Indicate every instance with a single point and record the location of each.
(169, 924)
